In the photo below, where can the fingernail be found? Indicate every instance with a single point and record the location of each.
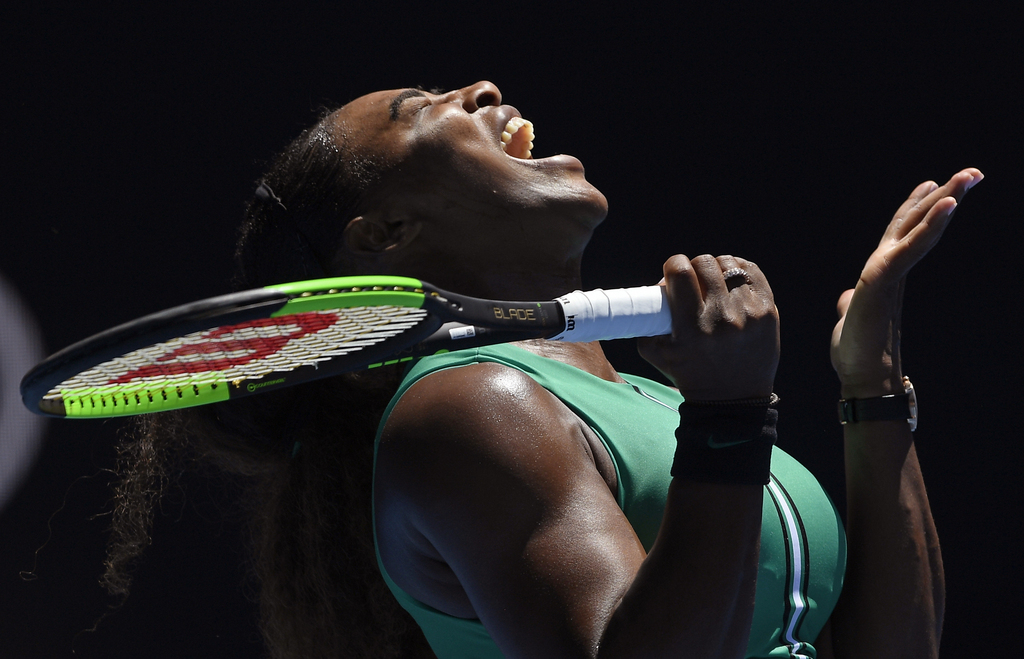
(975, 180)
(951, 208)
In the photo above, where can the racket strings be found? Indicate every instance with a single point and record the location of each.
(245, 351)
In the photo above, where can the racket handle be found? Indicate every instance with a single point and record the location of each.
(621, 313)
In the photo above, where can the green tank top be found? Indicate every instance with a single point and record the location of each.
(803, 545)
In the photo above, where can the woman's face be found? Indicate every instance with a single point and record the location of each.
(448, 170)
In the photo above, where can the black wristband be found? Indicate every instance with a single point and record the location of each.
(726, 442)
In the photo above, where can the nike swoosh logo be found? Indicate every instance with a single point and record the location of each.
(714, 443)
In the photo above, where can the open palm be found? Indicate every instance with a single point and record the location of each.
(865, 342)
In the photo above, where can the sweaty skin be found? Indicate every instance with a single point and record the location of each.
(454, 208)
(492, 501)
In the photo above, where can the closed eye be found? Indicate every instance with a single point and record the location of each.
(396, 103)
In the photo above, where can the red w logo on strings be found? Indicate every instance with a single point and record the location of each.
(217, 351)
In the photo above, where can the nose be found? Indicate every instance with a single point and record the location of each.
(478, 96)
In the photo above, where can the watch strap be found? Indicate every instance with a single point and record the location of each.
(894, 407)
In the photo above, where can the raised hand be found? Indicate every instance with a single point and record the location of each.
(865, 342)
(725, 333)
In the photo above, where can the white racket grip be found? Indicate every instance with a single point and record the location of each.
(621, 313)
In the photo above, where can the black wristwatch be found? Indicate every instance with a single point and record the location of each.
(893, 407)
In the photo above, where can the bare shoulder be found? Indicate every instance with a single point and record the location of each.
(470, 404)
(462, 424)
(475, 466)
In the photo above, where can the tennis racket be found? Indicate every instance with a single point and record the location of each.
(263, 339)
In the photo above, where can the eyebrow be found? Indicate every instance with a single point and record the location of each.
(396, 102)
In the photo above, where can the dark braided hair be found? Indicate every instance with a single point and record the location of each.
(302, 457)
(293, 227)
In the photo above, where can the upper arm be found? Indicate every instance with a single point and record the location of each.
(485, 491)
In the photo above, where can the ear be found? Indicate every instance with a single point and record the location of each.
(370, 236)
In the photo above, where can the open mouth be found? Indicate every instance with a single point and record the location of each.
(517, 138)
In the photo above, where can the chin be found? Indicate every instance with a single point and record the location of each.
(601, 204)
(589, 207)
(568, 195)
(591, 202)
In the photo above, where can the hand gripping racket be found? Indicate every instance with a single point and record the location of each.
(258, 340)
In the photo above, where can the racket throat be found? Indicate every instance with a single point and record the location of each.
(459, 336)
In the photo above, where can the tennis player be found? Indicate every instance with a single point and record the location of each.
(527, 500)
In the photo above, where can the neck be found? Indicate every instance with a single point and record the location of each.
(496, 281)
(587, 357)
(511, 285)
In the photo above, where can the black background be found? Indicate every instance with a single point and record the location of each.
(131, 138)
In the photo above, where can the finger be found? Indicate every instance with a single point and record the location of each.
(915, 198)
(758, 281)
(844, 302)
(961, 182)
(912, 247)
(709, 274)
(727, 263)
(956, 187)
(683, 291)
(918, 194)
(754, 293)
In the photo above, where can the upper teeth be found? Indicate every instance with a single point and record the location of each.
(517, 138)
